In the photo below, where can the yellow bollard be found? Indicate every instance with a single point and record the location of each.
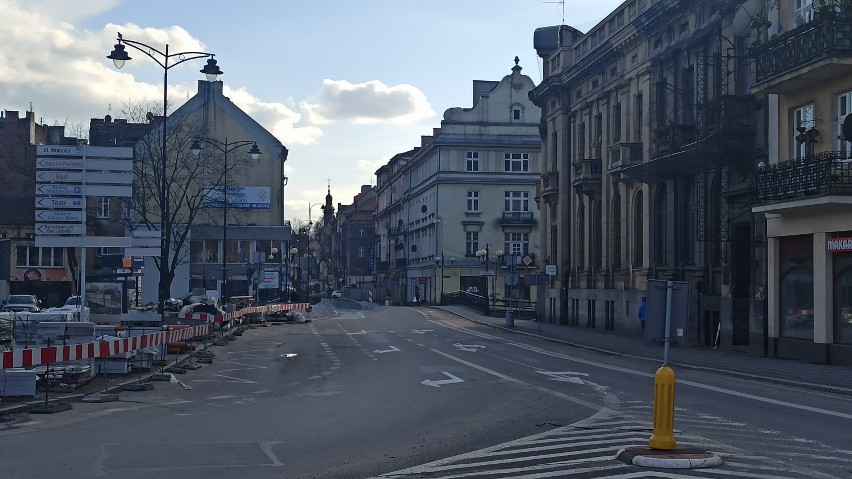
(664, 389)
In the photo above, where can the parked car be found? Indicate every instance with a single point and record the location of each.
(22, 303)
(336, 294)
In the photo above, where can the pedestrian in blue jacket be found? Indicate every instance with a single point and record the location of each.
(641, 313)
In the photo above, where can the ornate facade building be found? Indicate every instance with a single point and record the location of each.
(649, 141)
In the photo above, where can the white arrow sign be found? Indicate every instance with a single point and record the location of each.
(469, 347)
(421, 331)
(564, 376)
(59, 202)
(58, 229)
(58, 215)
(59, 190)
(393, 349)
(437, 383)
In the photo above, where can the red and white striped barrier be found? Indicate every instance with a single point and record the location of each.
(23, 358)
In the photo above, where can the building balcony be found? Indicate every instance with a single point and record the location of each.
(673, 137)
(587, 176)
(517, 218)
(805, 55)
(788, 184)
(549, 183)
(622, 155)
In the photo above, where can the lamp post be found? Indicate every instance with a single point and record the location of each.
(293, 252)
(484, 257)
(119, 56)
(441, 262)
(225, 147)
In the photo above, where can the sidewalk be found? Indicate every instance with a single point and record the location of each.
(820, 377)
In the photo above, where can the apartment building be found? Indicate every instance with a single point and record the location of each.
(804, 189)
(468, 188)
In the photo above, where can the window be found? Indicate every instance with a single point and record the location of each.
(803, 117)
(516, 113)
(516, 162)
(638, 230)
(472, 161)
(104, 251)
(361, 252)
(30, 256)
(472, 201)
(844, 107)
(103, 207)
(796, 308)
(803, 11)
(637, 118)
(516, 201)
(471, 243)
(616, 123)
(517, 243)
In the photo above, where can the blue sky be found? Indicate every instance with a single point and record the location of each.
(343, 84)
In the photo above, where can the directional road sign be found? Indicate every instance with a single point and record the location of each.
(59, 215)
(124, 178)
(59, 203)
(58, 229)
(59, 190)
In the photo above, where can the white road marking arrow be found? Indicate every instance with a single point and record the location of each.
(469, 347)
(439, 382)
(421, 331)
(564, 376)
(392, 349)
(359, 332)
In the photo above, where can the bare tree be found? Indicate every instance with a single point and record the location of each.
(186, 180)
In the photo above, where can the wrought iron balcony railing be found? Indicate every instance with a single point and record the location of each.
(825, 173)
(828, 35)
(518, 218)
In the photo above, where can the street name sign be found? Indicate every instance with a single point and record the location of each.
(62, 176)
(59, 190)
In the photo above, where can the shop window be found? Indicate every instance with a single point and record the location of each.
(797, 304)
(843, 301)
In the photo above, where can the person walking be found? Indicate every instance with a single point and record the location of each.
(641, 312)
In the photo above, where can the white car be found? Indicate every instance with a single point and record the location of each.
(336, 294)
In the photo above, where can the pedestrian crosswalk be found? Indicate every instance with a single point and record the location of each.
(588, 450)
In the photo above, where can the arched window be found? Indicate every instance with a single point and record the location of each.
(684, 227)
(638, 230)
(580, 234)
(615, 232)
(596, 234)
(660, 222)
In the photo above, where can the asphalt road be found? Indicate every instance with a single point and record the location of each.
(381, 393)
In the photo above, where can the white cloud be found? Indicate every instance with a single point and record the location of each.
(365, 103)
(278, 118)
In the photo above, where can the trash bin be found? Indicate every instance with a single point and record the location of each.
(510, 321)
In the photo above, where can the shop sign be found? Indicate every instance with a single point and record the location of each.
(838, 245)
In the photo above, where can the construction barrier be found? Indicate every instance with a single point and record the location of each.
(24, 358)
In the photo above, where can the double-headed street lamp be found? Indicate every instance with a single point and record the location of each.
(225, 147)
(119, 56)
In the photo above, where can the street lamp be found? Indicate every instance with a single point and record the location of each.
(441, 263)
(225, 147)
(119, 56)
(484, 257)
(293, 252)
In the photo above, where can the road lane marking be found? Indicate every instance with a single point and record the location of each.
(393, 349)
(720, 390)
(439, 382)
